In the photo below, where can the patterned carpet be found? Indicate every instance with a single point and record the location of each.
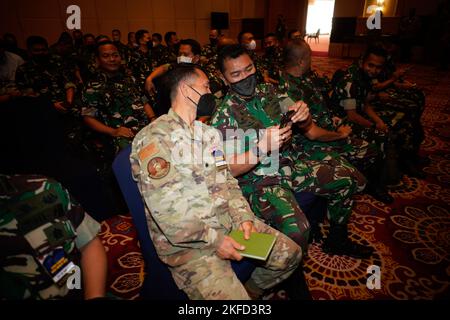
(411, 237)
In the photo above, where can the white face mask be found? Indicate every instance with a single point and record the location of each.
(154, 44)
(251, 45)
(184, 59)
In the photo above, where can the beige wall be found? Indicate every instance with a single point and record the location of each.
(189, 18)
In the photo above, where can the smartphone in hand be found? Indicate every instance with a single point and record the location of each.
(286, 118)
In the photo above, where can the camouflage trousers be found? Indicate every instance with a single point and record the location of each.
(410, 103)
(214, 278)
(358, 152)
(330, 177)
(279, 208)
(401, 129)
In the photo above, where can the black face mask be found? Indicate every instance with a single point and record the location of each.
(213, 41)
(150, 44)
(206, 104)
(42, 59)
(245, 87)
(270, 51)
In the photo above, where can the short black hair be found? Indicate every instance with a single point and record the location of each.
(101, 44)
(195, 46)
(169, 35)
(241, 34)
(375, 50)
(297, 49)
(232, 51)
(34, 40)
(291, 32)
(139, 34)
(179, 73)
(100, 37)
(88, 35)
(271, 34)
(116, 30)
(65, 37)
(157, 36)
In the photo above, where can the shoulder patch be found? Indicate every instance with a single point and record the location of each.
(158, 168)
(148, 151)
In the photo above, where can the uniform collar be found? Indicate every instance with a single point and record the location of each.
(187, 128)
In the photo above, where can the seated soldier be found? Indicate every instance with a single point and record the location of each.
(353, 97)
(44, 75)
(172, 43)
(192, 202)
(271, 181)
(188, 52)
(326, 135)
(111, 102)
(210, 49)
(272, 58)
(160, 54)
(396, 93)
(45, 239)
(140, 59)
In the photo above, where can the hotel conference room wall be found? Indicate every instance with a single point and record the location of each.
(189, 18)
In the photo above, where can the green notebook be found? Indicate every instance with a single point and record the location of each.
(257, 247)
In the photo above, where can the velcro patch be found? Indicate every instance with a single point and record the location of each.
(158, 168)
(148, 151)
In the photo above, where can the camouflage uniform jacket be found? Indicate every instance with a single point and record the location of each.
(273, 62)
(352, 91)
(51, 80)
(160, 56)
(239, 116)
(32, 207)
(191, 198)
(209, 51)
(140, 64)
(310, 88)
(115, 101)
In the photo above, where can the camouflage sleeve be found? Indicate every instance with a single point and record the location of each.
(86, 227)
(222, 118)
(345, 94)
(178, 202)
(239, 208)
(22, 82)
(86, 231)
(90, 99)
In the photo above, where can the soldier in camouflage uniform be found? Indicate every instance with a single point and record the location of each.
(160, 53)
(247, 40)
(193, 201)
(172, 43)
(271, 183)
(43, 235)
(123, 49)
(140, 60)
(326, 136)
(112, 104)
(273, 58)
(210, 49)
(353, 98)
(45, 75)
(393, 92)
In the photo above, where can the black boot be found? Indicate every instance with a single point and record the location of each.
(390, 171)
(296, 286)
(338, 243)
(379, 193)
(376, 186)
(409, 168)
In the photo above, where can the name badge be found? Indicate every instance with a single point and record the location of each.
(219, 159)
(57, 265)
